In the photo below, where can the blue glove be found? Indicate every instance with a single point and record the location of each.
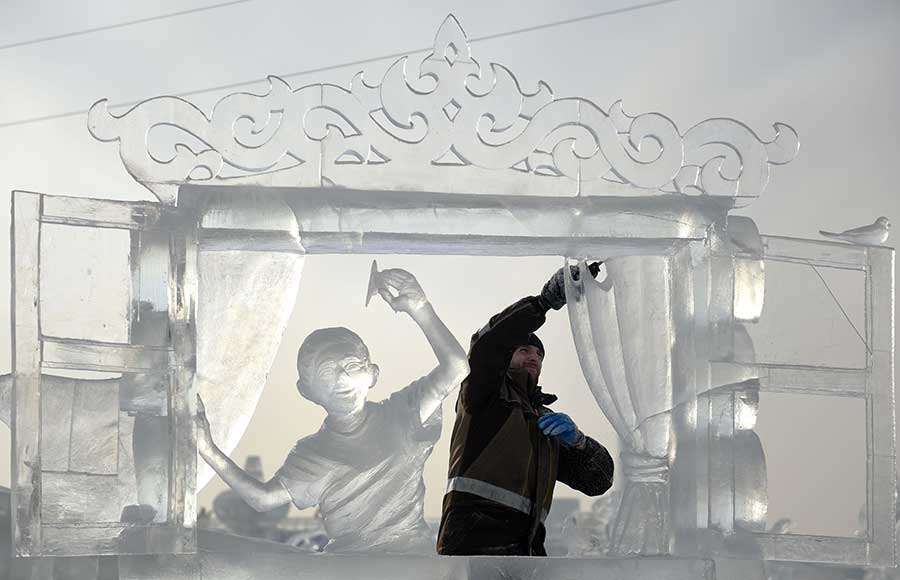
(560, 425)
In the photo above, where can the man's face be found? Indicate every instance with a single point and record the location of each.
(342, 382)
(527, 357)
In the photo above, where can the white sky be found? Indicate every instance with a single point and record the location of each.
(826, 67)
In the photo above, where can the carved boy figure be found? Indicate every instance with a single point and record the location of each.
(363, 468)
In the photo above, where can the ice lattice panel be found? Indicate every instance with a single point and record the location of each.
(440, 123)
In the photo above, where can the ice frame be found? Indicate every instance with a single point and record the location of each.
(169, 367)
(406, 166)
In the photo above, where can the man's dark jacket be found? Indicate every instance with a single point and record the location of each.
(502, 467)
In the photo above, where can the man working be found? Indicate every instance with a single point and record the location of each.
(508, 449)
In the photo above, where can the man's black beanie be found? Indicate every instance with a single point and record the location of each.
(533, 340)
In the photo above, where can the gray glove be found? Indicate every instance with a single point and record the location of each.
(554, 292)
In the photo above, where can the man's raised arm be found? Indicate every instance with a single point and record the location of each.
(492, 346)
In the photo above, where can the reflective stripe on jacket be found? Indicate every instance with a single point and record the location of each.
(497, 451)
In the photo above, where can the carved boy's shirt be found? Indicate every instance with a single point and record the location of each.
(368, 483)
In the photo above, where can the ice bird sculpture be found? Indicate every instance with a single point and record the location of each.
(874, 234)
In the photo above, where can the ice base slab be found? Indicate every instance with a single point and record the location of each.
(277, 566)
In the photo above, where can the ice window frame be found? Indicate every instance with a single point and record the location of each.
(874, 383)
(34, 352)
(326, 217)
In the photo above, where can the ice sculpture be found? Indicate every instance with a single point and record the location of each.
(81, 460)
(6, 388)
(623, 336)
(239, 517)
(237, 333)
(443, 124)
(875, 234)
(699, 380)
(364, 466)
(450, 126)
(442, 155)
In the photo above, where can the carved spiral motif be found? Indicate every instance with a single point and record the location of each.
(444, 123)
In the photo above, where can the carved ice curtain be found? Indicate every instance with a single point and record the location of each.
(245, 297)
(623, 336)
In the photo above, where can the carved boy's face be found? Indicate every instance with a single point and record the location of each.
(342, 379)
(528, 357)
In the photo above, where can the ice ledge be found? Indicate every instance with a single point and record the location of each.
(276, 566)
(347, 221)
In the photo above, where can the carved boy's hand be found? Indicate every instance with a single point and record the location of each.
(409, 294)
(204, 435)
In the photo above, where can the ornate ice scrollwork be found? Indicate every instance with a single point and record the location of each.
(442, 123)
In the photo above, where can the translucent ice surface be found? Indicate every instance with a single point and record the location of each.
(363, 468)
(239, 331)
(623, 337)
(668, 345)
(688, 327)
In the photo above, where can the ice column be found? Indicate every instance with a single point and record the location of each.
(737, 482)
